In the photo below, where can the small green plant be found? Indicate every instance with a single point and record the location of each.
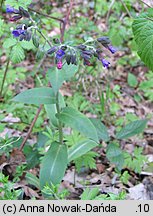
(135, 161)
(94, 194)
(86, 161)
(147, 87)
(52, 192)
(7, 191)
(82, 133)
(125, 177)
(19, 172)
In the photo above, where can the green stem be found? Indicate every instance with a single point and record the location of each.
(59, 122)
(4, 77)
(50, 44)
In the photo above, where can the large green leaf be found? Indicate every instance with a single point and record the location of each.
(78, 121)
(80, 149)
(43, 95)
(53, 165)
(101, 129)
(145, 50)
(139, 26)
(132, 129)
(57, 77)
(143, 35)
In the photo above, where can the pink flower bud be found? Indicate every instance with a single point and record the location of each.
(59, 65)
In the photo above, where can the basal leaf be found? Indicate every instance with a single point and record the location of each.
(78, 121)
(53, 165)
(43, 95)
(132, 129)
(80, 149)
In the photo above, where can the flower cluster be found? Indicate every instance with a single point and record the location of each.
(86, 52)
(21, 31)
(21, 12)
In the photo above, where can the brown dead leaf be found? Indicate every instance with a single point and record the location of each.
(3, 159)
(100, 168)
(16, 158)
(29, 192)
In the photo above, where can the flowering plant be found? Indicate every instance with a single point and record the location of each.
(67, 59)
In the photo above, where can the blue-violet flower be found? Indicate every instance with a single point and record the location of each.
(10, 9)
(18, 32)
(59, 54)
(112, 49)
(105, 63)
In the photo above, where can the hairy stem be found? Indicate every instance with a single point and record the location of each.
(46, 15)
(50, 44)
(59, 122)
(4, 77)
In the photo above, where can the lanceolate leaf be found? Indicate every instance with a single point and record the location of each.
(132, 129)
(53, 165)
(57, 77)
(78, 121)
(43, 95)
(101, 129)
(80, 149)
(143, 32)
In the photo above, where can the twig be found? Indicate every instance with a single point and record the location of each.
(66, 20)
(36, 116)
(4, 77)
(108, 14)
(46, 15)
(145, 3)
(31, 127)
(127, 10)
